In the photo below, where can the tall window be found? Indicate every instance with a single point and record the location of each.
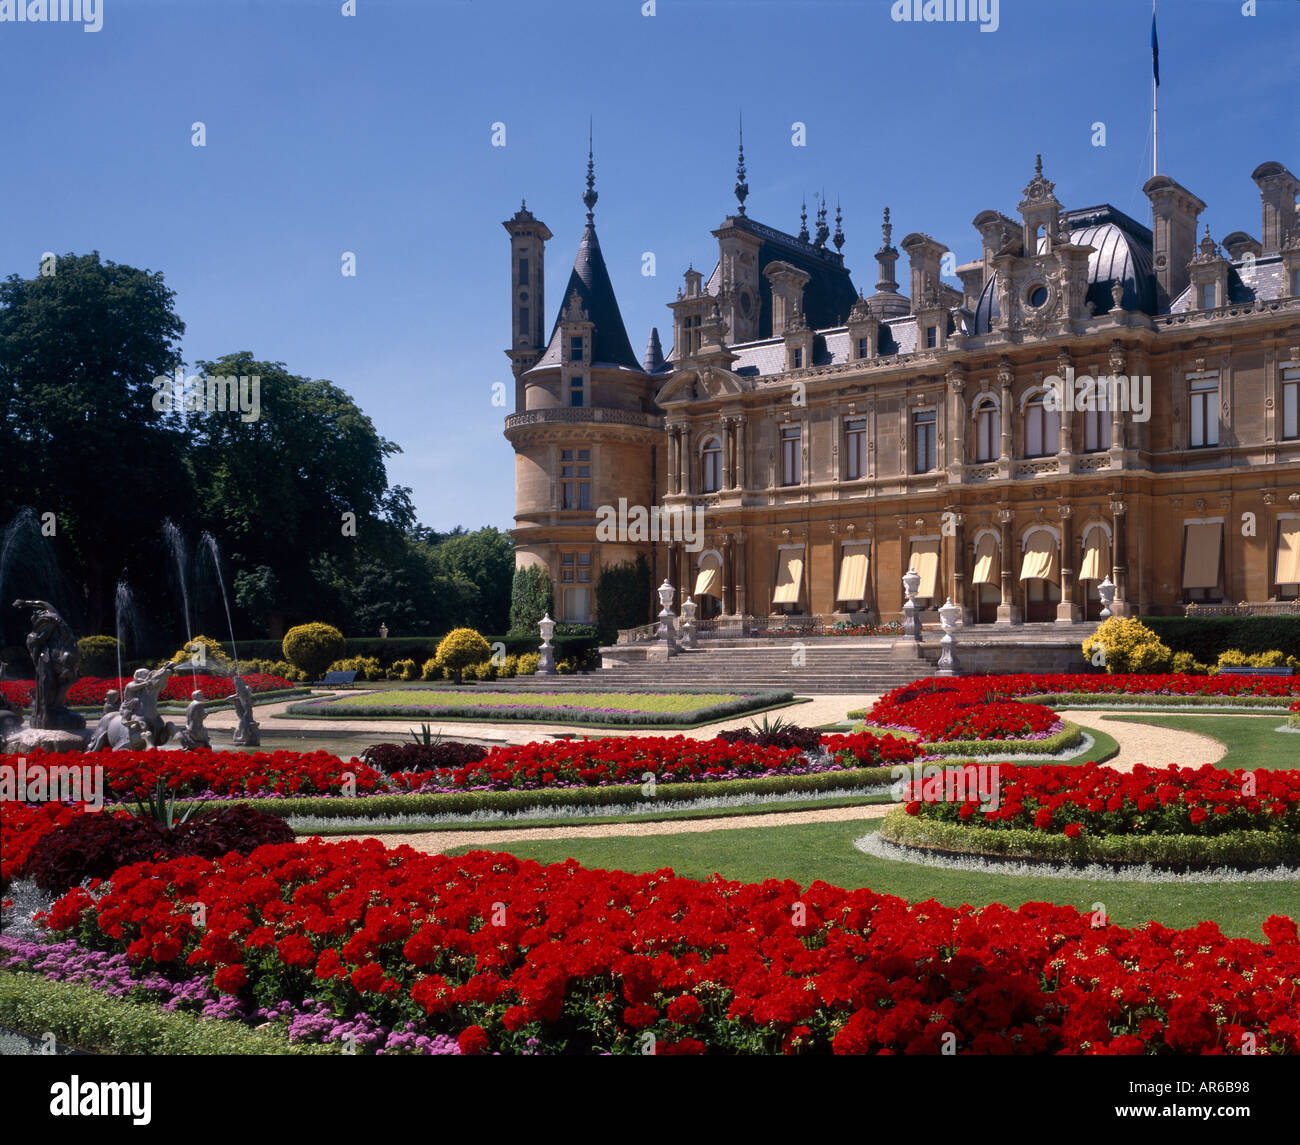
(855, 448)
(791, 459)
(1290, 392)
(575, 349)
(575, 390)
(523, 272)
(798, 357)
(1204, 402)
(1096, 430)
(575, 579)
(1042, 429)
(987, 430)
(523, 321)
(1209, 295)
(864, 347)
(923, 439)
(575, 478)
(711, 466)
(931, 337)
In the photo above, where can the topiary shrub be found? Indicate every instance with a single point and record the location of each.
(98, 655)
(460, 648)
(1125, 644)
(92, 846)
(312, 648)
(239, 828)
(403, 670)
(205, 653)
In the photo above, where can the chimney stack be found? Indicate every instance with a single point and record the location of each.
(1175, 210)
(1277, 192)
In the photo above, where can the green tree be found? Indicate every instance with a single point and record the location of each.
(485, 559)
(531, 597)
(79, 432)
(622, 598)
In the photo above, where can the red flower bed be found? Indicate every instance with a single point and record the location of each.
(627, 759)
(23, 825)
(131, 773)
(91, 690)
(495, 951)
(960, 709)
(1145, 801)
(1164, 684)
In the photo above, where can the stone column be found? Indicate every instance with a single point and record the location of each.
(674, 469)
(1065, 446)
(1067, 612)
(729, 440)
(1008, 611)
(740, 454)
(1118, 367)
(1006, 414)
(958, 566)
(1119, 572)
(955, 431)
(742, 574)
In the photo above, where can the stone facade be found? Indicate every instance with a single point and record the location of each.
(954, 430)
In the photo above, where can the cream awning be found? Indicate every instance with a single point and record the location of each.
(1096, 556)
(853, 573)
(988, 561)
(708, 583)
(925, 560)
(789, 578)
(1201, 555)
(1288, 553)
(1041, 560)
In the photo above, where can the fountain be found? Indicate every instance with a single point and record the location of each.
(176, 543)
(209, 542)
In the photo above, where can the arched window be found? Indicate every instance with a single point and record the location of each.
(711, 466)
(1042, 428)
(987, 430)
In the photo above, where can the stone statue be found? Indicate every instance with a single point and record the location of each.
(53, 649)
(112, 701)
(144, 688)
(194, 734)
(246, 733)
(121, 730)
(11, 714)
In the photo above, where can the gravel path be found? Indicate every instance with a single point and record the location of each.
(1138, 743)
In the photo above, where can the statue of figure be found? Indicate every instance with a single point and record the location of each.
(121, 730)
(194, 733)
(246, 733)
(144, 688)
(53, 649)
(112, 701)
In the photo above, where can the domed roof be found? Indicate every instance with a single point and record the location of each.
(1121, 253)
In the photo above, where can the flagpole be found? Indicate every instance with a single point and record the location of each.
(1155, 105)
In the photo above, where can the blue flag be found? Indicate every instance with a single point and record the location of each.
(1155, 48)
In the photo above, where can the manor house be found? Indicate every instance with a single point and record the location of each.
(837, 436)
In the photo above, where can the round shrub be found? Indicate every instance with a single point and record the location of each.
(312, 648)
(1128, 645)
(431, 669)
(206, 653)
(403, 670)
(528, 662)
(92, 846)
(98, 655)
(239, 828)
(460, 648)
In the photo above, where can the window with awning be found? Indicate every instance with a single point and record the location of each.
(988, 561)
(1287, 569)
(789, 577)
(1042, 559)
(1201, 554)
(1096, 556)
(853, 573)
(709, 580)
(925, 562)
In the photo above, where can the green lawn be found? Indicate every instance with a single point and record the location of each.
(825, 851)
(1252, 741)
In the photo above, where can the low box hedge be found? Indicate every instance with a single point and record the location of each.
(390, 706)
(86, 1019)
(1236, 848)
(420, 648)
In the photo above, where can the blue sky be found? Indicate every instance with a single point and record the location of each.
(373, 134)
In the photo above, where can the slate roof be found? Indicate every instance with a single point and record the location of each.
(1122, 253)
(590, 278)
(1263, 282)
(830, 348)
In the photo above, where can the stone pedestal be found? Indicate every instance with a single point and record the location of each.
(47, 739)
(1067, 612)
(1008, 614)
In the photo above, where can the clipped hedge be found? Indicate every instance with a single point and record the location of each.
(1205, 637)
(87, 1019)
(578, 646)
(1069, 736)
(1236, 848)
(468, 802)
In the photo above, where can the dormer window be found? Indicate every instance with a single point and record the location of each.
(931, 337)
(1209, 295)
(575, 350)
(864, 347)
(798, 357)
